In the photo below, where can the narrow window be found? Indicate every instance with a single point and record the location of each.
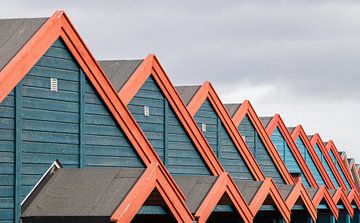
(53, 84)
(146, 111)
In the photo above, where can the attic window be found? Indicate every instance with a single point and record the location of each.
(203, 127)
(146, 111)
(53, 84)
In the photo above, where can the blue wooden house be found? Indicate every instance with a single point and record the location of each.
(159, 111)
(57, 104)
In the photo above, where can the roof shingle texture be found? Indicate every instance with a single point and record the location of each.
(83, 192)
(15, 33)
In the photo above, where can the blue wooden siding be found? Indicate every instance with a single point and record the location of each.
(165, 132)
(340, 170)
(50, 126)
(286, 155)
(326, 166)
(344, 217)
(7, 158)
(310, 162)
(257, 147)
(221, 142)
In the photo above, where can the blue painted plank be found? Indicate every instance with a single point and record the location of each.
(257, 148)
(221, 142)
(165, 132)
(287, 155)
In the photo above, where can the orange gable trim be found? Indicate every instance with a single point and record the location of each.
(268, 187)
(340, 196)
(323, 193)
(224, 184)
(316, 140)
(331, 146)
(247, 109)
(300, 191)
(277, 122)
(206, 91)
(151, 179)
(151, 67)
(59, 26)
(299, 132)
(353, 196)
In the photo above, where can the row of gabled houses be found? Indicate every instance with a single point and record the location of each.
(93, 141)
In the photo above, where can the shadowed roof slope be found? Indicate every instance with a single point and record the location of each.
(119, 71)
(232, 108)
(83, 192)
(265, 120)
(195, 189)
(187, 92)
(14, 34)
(248, 188)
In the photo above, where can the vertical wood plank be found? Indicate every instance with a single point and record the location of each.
(166, 132)
(81, 118)
(218, 138)
(18, 150)
(255, 143)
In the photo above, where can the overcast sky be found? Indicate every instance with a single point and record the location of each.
(300, 59)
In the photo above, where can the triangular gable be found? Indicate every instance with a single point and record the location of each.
(165, 132)
(246, 112)
(340, 197)
(59, 26)
(354, 173)
(324, 156)
(206, 108)
(196, 97)
(151, 68)
(257, 193)
(318, 195)
(223, 185)
(311, 158)
(294, 193)
(340, 166)
(282, 139)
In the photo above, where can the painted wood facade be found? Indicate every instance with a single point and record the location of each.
(56, 103)
(55, 124)
(175, 135)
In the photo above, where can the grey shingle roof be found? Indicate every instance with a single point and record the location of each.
(248, 188)
(195, 189)
(187, 92)
(312, 191)
(14, 34)
(83, 192)
(232, 108)
(265, 120)
(332, 192)
(290, 129)
(285, 190)
(119, 71)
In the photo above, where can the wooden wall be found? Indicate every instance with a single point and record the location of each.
(326, 166)
(258, 150)
(38, 126)
(221, 142)
(287, 156)
(310, 162)
(348, 187)
(165, 132)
